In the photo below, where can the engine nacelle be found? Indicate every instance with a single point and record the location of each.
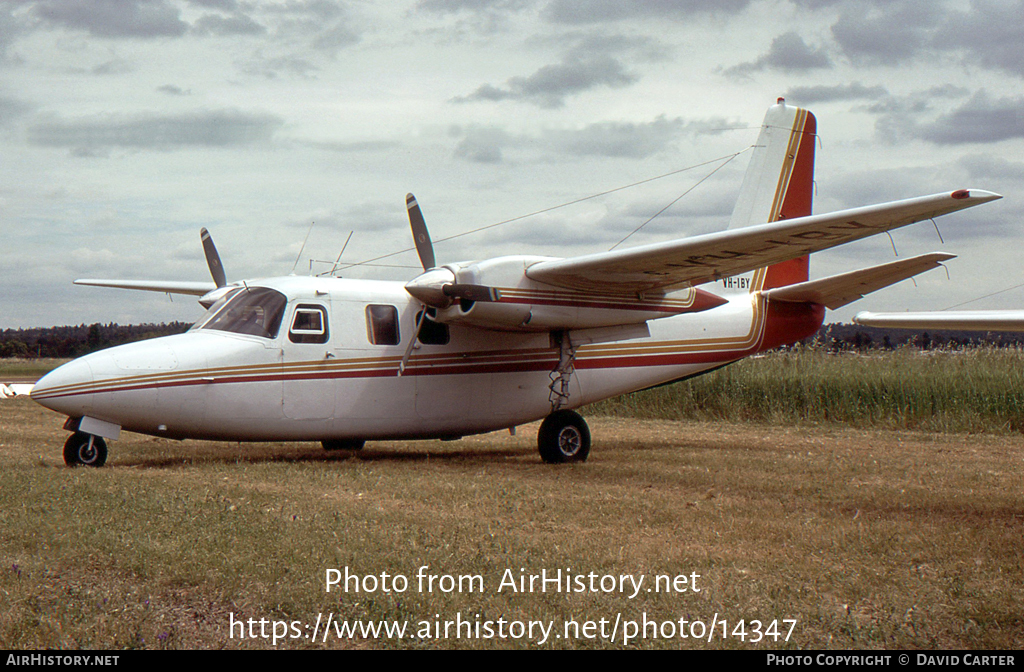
(512, 301)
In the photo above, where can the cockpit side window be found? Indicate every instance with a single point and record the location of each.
(256, 311)
(382, 325)
(309, 324)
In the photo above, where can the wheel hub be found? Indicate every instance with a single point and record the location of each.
(569, 441)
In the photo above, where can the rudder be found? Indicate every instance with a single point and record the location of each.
(779, 184)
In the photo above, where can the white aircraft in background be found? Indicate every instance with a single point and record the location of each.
(475, 346)
(965, 320)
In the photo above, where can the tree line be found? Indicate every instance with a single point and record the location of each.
(841, 337)
(75, 341)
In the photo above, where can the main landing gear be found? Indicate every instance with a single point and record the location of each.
(85, 449)
(564, 437)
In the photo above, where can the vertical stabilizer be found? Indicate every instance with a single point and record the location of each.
(779, 184)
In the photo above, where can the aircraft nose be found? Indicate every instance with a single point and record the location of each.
(66, 389)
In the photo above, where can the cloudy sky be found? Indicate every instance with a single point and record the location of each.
(126, 125)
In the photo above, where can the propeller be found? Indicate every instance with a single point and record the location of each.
(437, 287)
(213, 259)
(420, 235)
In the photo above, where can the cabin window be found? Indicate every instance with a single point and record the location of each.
(432, 333)
(382, 325)
(256, 311)
(309, 325)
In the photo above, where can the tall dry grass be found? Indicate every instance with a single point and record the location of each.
(969, 390)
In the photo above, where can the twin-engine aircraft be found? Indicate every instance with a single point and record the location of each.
(475, 346)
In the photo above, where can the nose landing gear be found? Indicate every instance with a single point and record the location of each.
(85, 449)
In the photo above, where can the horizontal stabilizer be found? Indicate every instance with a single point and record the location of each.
(700, 259)
(966, 320)
(169, 287)
(838, 290)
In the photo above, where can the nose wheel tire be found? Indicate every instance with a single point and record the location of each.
(564, 437)
(85, 449)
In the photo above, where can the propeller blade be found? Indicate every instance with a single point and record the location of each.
(213, 259)
(424, 247)
(420, 319)
(480, 293)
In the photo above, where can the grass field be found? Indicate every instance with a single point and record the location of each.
(19, 369)
(866, 538)
(970, 390)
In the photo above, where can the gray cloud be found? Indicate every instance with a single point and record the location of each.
(10, 29)
(899, 117)
(310, 25)
(603, 139)
(549, 86)
(979, 120)
(336, 37)
(986, 166)
(236, 24)
(12, 108)
(271, 68)
(481, 144)
(172, 90)
(114, 18)
(788, 53)
(598, 11)
(225, 5)
(214, 129)
(453, 6)
(890, 34)
(990, 33)
(115, 66)
(354, 146)
(620, 140)
(807, 95)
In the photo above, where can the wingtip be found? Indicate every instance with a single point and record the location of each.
(976, 195)
(862, 315)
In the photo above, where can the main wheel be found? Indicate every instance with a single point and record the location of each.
(87, 449)
(342, 444)
(564, 437)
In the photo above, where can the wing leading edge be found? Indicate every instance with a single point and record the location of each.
(170, 287)
(701, 259)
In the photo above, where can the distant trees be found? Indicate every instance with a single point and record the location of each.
(839, 337)
(65, 342)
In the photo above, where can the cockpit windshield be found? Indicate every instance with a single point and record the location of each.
(256, 311)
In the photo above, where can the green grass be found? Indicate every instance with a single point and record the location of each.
(24, 368)
(971, 390)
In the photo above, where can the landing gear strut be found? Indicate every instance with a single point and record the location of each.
(564, 437)
(86, 449)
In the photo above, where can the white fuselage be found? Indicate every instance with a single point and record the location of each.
(214, 384)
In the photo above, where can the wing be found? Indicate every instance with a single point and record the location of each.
(694, 261)
(170, 287)
(967, 320)
(838, 290)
